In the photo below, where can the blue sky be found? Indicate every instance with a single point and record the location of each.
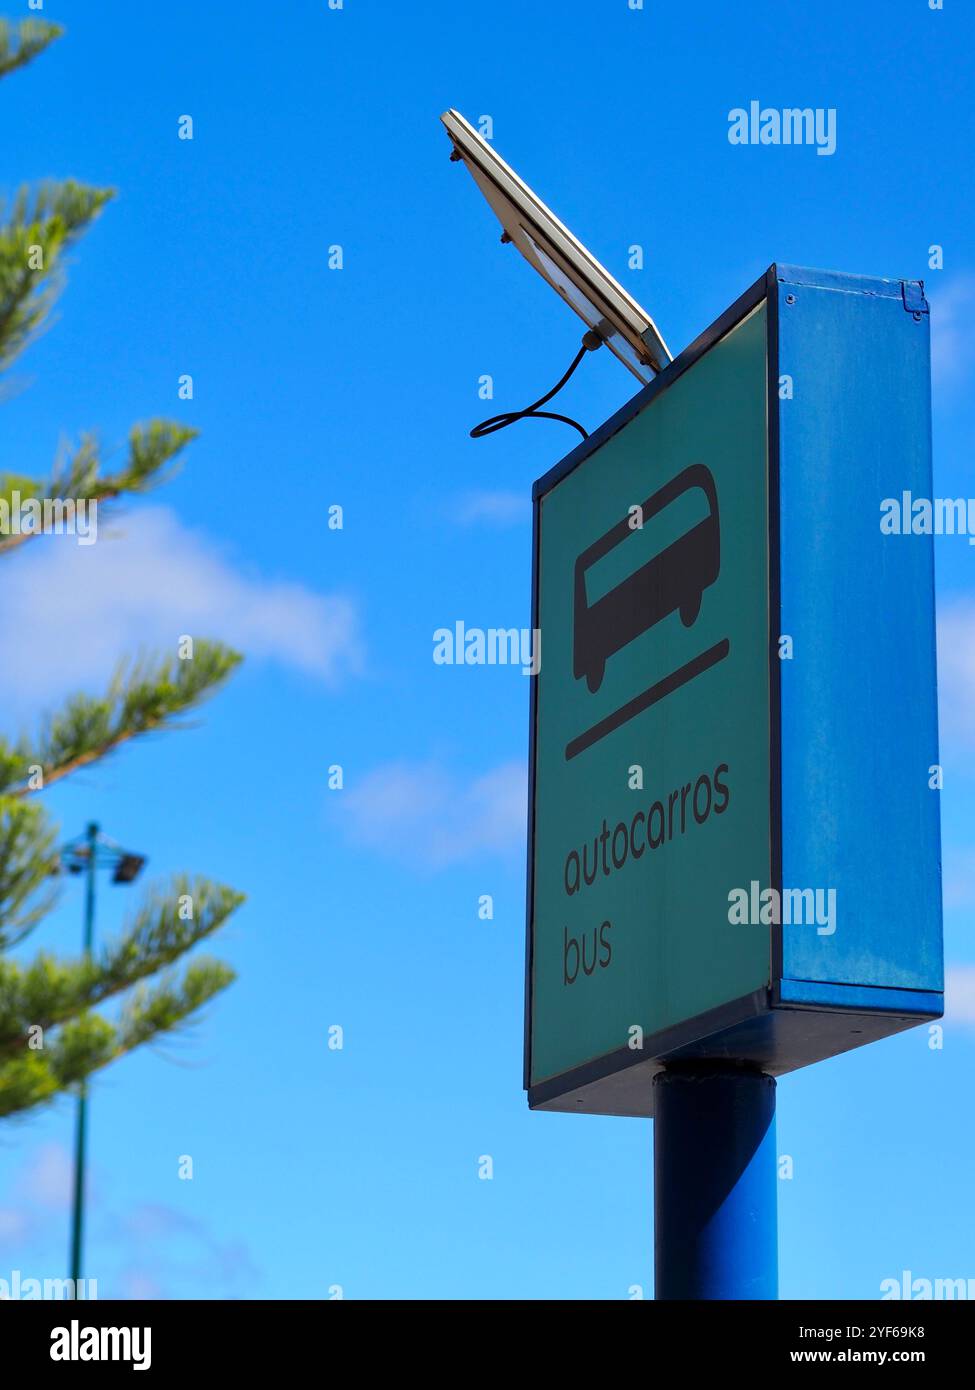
(313, 387)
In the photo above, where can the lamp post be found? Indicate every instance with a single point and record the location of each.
(87, 854)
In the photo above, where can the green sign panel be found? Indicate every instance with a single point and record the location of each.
(651, 764)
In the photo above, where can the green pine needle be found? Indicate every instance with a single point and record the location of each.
(21, 43)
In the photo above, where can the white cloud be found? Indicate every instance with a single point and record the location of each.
(958, 867)
(165, 1246)
(149, 1250)
(70, 611)
(47, 1177)
(41, 1191)
(494, 508)
(422, 813)
(956, 670)
(952, 341)
(960, 995)
(14, 1225)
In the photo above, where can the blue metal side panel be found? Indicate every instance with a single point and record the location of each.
(858, 699)
(797, 277)
(861, 998)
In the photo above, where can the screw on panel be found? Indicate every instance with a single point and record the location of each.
(790, 299)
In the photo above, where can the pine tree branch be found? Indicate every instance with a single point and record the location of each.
(41, 225)
(50, 1036)
(91, 1042)
(21, 45)
(28, 864)
(49, 992)
(76, 476)
(143, 696)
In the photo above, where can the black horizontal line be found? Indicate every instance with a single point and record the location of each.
(649, 697)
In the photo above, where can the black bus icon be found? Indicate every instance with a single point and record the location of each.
(673, 580)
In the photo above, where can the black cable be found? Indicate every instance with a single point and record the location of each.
(590, 342)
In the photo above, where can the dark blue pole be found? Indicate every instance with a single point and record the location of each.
(714, 1183)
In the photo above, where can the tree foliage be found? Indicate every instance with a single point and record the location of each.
(54, 1031)
(21, 42)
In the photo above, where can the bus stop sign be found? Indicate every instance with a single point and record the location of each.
(733, 842)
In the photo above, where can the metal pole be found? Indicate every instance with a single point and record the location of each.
(77, 1221)
(715, 1183)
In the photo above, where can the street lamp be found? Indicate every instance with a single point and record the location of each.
(87, 854)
